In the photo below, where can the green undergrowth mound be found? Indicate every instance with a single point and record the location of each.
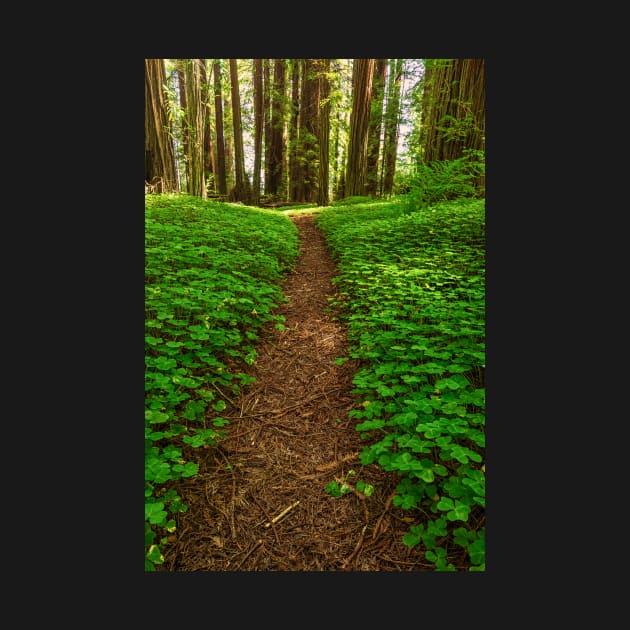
(212, 278)
(412, 291)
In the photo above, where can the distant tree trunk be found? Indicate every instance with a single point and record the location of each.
(294, 168)
(308, 155)
(356, 166)
(374, 133)
(323, 126)
(159, 154)
(181, 79)
(241, 190)
(392, 119)
(220, 142)
(195, 125)
(208, 145)
(258, 128)
(267, 117)
(276, 148)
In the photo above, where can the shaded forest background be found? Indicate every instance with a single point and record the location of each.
(269, 132)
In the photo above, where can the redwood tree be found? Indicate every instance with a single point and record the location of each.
(308, 150)
(209, 167)
(195, 124)
(241, 191)
(276, 128)
(159, 155)
(392, 119)
(294, 167)
(181, 82)
(356, 165)
(258, 127)
(220, 140)
(453, 112)
(323, 127)
(374, 133)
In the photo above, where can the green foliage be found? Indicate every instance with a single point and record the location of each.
(411, 288)
(339, 488)
(445, 180)
(212, 274)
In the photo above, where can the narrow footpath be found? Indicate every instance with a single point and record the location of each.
(259, 502)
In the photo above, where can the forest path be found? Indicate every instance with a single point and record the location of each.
(259, 501)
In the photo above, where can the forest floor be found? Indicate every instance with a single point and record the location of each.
(259, 501)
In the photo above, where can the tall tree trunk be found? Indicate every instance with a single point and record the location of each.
(240, 191)
(323, 126)
(159, 155)
(308, 155)
(220, 141)
(276, 148)
(376, 119)
(392, 120)
(209, 167)
(453, 113)
(356, 167)
(267, 117)
(181, 80)
(195, 126)
(258, 127)
(294, 167)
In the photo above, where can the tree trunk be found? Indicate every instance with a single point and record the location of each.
(356, 167)
(453, 113)
(220, 141)
(258, 128)
(181, 80)
(195, 126)
(374, 134)
(323, 126)
(209, 167)
(159, 155)
(276, 148)
(267, 119)
(294, 168)
(241, 191)
(392, 119)
(308, 150)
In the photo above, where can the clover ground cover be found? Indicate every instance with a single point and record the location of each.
(411, 288)
(212, 279)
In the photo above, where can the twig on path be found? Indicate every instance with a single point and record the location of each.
(262, 509)
(222, 394)
(249, 553)
(282, 514)
(349, 559)
(377, 527)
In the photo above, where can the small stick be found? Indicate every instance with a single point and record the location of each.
(380, 520)
(249, 553)
(283, 513)
(356, 548)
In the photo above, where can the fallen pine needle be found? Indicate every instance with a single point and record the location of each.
(283, 513)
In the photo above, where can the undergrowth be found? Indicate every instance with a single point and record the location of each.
(411, 288)
(212, 274)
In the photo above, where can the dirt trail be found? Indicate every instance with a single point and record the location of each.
(288, 437)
